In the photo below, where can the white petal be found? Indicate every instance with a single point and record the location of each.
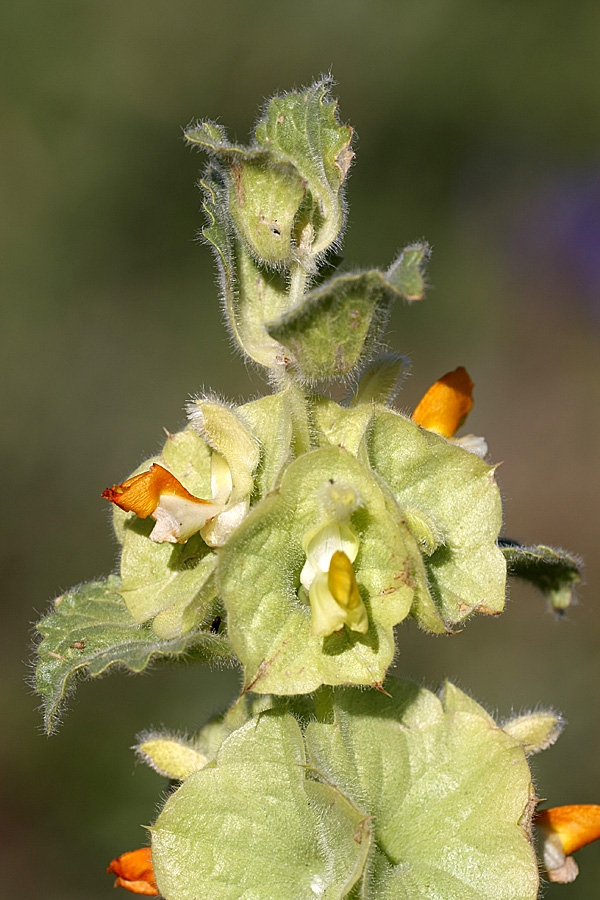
(327, 615)
(218, 531)
(473, 443)
(220, 478)
(177, 519)
(323, 542)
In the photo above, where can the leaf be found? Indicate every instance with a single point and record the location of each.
(269, 618)
(402, 795)
(276, 204)
(336, 325)
(555, 572)
(253, 825)
(406, 274)
(251, 293)
(447, 790)
(164, 580)
(338, 426)
(455, 700)
(454, 491)
(90, 630)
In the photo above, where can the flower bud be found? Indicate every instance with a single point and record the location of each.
(446, 404)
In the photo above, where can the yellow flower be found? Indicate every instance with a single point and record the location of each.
(566, 829)
(328, 574)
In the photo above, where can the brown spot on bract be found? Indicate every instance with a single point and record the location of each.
(236, 171)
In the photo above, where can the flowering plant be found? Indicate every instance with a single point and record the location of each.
(290, 535)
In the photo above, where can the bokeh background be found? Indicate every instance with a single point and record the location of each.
(479, 129)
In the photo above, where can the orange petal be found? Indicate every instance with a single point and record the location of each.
(576, 826)
(446, 404)
(134, 871)
(141, 494)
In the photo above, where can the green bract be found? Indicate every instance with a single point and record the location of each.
(307, 530)
(373, 798)
(452, 495)
(170, 581)
(259, 582)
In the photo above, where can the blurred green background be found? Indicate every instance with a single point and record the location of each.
(478, 128)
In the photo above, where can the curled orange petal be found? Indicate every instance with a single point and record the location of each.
(446, 404)
(575, 826)
(141, 494)
(135, 872)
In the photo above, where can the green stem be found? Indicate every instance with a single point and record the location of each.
(298, 282)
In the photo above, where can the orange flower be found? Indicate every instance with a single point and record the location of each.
(134, 871)
(446, 404)
(565, 830)
(157, 493)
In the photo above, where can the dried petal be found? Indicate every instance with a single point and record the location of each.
(446, 404)
(576, 825)
(159, 494)
(135, 872)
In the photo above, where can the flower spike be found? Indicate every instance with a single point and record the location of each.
(446, 404)
(135, 872)
(566, 829)
(157, 493)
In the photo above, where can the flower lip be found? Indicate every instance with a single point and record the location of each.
(141, 494)
(135, 872)
(341, 581)
(447, 403)
(157, 493)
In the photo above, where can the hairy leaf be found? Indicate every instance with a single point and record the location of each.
(447, 789)
(380, 381)
(253, 825)
(553, 571)
(406, 274)
(302, 128)
(91, 629)
(335, 326)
